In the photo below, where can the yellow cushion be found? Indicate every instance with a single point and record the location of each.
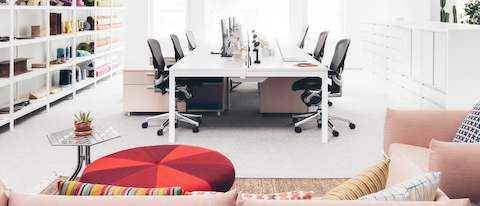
(369, 181)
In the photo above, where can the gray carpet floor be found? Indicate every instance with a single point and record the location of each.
(258, 146)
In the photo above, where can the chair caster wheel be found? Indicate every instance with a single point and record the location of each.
(295, 120)
(176, 125)
(145, 125)
(352, 126)
(160, 132)
(195, 130)
(335, 133)
(330, 104)
(298, 130)
(319, 125)
(200, 120)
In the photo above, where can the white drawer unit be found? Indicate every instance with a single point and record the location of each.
(427, 66)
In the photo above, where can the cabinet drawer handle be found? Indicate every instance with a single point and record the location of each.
(150, 74)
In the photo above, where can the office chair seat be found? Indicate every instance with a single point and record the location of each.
(310, 83)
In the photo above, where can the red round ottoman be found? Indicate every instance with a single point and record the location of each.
(191, 168)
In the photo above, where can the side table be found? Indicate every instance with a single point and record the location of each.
(68, 138)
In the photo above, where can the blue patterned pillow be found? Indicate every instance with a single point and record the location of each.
(469, 131)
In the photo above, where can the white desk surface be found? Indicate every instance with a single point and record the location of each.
(201, 63)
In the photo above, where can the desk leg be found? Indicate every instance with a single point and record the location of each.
(171, 109)
(325, 114)
(79, 163)
(87, 156)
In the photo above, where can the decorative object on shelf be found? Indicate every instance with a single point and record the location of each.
(20, 65)
(35, 31)
(39, 66)
(28, 2)
(89, 2)
(83, 124)
(65, 78)
(80, 24)
(89, 25)
(38, 94)
(68, 26)
(86, 47)
(61, 54)
(4, 38)
(444, 16)
(472, 12)
(454, 13)
(256, 44)
(4, 2)
(55, 23)
(19, 104)
(60, 2)
(80, 3)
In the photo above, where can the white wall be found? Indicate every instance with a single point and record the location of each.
(136, 34)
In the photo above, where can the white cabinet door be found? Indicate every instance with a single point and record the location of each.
(440, 63)
(422, 56)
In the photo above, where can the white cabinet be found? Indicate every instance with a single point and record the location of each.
(422, 56)
(427, 65)
(440, 62)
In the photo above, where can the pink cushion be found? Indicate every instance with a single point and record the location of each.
(226, 199)
(463, 202)
(420, 127)
(3, 195)
(460, 168)
(407, 162)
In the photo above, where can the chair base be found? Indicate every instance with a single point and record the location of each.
(182, 117)
(307, 117)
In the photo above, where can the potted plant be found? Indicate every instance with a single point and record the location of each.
(83, 124)
(472, 12)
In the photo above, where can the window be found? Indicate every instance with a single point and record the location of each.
(325, 15)
(269, 18)
(169, 17)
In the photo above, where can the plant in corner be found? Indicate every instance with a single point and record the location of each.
(472, 12)
(454, 13)
(83, 124)
(444, 16)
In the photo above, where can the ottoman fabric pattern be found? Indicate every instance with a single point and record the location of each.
(191, 168)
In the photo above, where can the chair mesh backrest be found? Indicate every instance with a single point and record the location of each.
(158, 61)
(192, 44)
(338, 60)
(320, 49)
(177, 47)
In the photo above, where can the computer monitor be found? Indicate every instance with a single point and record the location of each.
(225, 41)
(303, 35)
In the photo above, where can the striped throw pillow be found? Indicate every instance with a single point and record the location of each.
(367, 182)
(423, 188)
(74, 188)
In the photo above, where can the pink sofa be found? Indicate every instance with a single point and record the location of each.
(407, 135)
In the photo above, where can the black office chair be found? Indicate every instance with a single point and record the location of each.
(177, 47)
(320, 48)
(303, 35)
(182, 91)
(312, 95)
(192, 43)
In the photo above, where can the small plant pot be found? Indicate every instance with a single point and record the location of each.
(83, 129)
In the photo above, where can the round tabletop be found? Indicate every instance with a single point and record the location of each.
(189, 167)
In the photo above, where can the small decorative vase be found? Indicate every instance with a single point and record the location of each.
(83, 129)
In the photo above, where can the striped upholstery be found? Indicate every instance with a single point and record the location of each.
(73, 188)
(367, 182)
(423, 188)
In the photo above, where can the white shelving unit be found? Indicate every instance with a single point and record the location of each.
(115, 64)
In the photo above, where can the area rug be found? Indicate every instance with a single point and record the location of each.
(258, 185)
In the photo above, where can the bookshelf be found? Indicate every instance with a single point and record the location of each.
(108, 57)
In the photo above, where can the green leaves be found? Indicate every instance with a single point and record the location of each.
(472, 12)
(83, 117)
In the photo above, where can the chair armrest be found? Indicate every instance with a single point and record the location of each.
(418, 128)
